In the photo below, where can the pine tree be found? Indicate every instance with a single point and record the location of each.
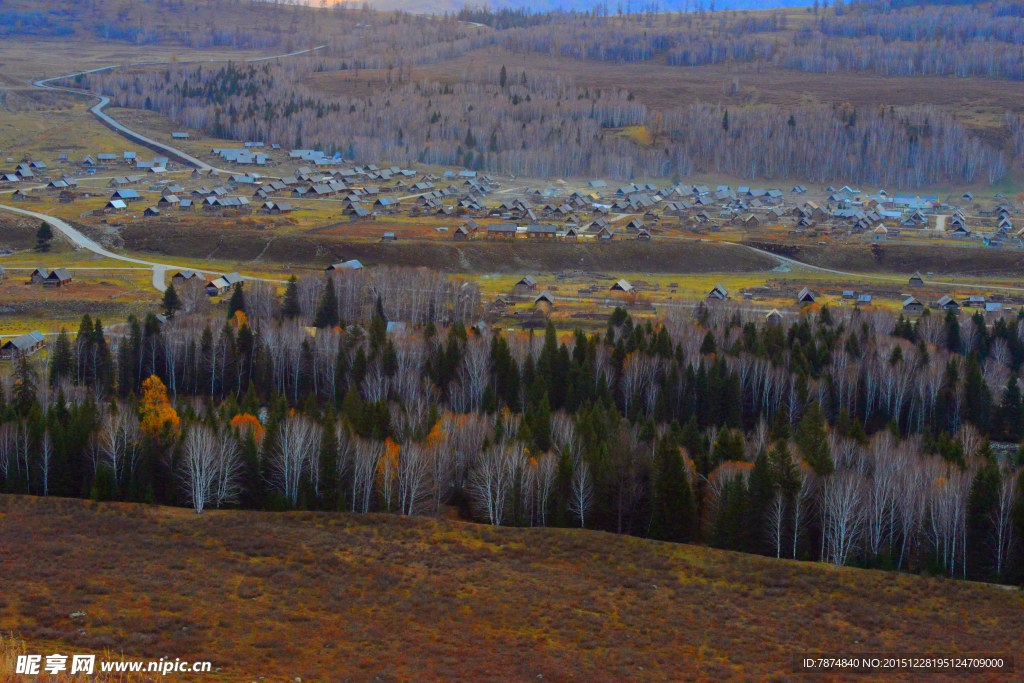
(981, 504)
(290, 307)
(708, 346)
(43, 237)
(237, 302)
(23, 395)
(812, 438)
(1010, 411)
(327, 310)
(760, 489)
(379, 329)
(503, 77)
(673, 511)
(62, 361)
(171, 303)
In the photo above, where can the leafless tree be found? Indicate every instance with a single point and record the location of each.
(364, 471)
(1002, 515)
(199, 466)
(841, 515)
(194, 300)
(776, 519)
(582, 493)
(45, 461)
(297, 442)
(120, 440)
(802, 496)
(414, 469)
(228, 469)
(492, 479)
(260, 300)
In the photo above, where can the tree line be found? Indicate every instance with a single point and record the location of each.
(850, 437)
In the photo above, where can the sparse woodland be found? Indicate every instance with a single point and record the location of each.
(542, 126)
(850, 437)
(534, 125)
(545, 127)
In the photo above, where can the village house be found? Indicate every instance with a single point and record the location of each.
(223, 284)
(718, 293)
(622, 286)
(25, 345)
(346, 265)
(50, 278)
(805, 297)
(912, 305)
(183, 276)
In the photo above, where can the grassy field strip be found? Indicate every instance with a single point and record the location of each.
(800, 264)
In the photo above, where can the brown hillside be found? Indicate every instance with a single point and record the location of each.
(338, 597)
(478, 256)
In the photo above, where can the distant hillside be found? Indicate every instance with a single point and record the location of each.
(452, 6)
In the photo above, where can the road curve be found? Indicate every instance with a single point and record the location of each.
(97, 109)
(80, 240)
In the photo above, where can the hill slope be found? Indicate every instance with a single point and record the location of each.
(380, 598)
(452, 6)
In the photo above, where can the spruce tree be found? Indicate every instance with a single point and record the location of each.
(379, 330)
(327, 310)
(290, 307)
(760, 490)
(62, 361)
(981, 505)
(171, 303)
(23, 394)
(43, 237)
(672, 505)
(237, 302)
(812, 438)
(1010, 411)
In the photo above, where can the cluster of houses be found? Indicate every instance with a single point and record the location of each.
(218, 286)
(25, 171)
(909, 304)
(995, 235)
(105, 159)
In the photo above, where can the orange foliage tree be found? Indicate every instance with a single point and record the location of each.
(156, 414)
(248, 424)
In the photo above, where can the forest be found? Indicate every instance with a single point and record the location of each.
(850, 436)
(546, 127)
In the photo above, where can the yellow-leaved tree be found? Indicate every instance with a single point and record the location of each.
(156, 414)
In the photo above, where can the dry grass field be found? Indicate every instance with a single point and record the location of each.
(341, 597)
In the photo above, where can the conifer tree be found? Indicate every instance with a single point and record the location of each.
(23, 394)
(237, 302)
(1010, 411)
(673, 510)
(43, 237)
(171, 303)
(812, 438)
(327, 310)
(290, 307)
(62, 361)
